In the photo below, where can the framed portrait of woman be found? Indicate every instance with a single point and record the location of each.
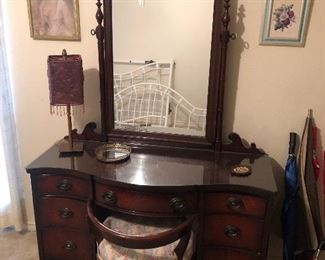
(54, 19)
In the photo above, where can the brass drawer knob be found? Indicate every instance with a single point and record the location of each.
(177, 204)
(65, 213)
(235, 204)
(69, 246)
(232, 232)
(110, 198)
(64, 185)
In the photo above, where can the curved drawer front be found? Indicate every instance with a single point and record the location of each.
(228, 254)
(234, 203)
(62, 212)
(62, 185)
(65, 244)
(150, 202)
(233, 231)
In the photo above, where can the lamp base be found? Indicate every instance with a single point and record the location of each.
(66, 148)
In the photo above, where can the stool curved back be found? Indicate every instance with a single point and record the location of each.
(181, 232)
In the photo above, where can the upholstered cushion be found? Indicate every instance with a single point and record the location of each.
(110, 251)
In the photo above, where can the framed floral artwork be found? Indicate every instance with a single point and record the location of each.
(285, 22)
(54, 19)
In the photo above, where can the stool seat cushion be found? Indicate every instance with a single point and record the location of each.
(110, 251)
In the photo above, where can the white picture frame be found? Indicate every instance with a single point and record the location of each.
(285, 22)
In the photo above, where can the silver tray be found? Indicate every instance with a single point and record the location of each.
(112, 152)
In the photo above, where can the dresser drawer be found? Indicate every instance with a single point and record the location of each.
(62, 212)
(234, 203)
(150, 202)
(233, 231)
(228, 254)
(59, 244)
(62, 185)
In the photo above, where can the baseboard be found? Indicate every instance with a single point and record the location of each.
(31, 226)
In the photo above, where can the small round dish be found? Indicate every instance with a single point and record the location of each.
(112, 152)
(241, 170)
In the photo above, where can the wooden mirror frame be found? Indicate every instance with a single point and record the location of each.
(212, 140)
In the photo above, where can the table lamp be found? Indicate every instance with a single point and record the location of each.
(65, 75)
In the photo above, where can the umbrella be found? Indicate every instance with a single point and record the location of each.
(315, 161)
(290, 203)
(308, 175)
(311, 176)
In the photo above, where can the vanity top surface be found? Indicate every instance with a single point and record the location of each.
(164, 169)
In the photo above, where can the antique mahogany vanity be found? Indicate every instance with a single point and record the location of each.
(166, 176)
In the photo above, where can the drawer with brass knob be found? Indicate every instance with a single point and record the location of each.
(65, 213)
(229, 230)
(69, 246)
(232, 232)
(65, 244)
(220, 202)
(62, 212)
(109, 198)
(178, 204)
(62, 185)
(150, 202)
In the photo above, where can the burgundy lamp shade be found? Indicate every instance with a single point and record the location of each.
(65, 75)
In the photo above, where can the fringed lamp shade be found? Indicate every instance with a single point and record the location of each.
(66, 79)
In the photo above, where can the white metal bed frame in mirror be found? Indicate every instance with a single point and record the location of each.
(161, 96)
(145, 101)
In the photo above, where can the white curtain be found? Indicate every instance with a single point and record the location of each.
(10, 178)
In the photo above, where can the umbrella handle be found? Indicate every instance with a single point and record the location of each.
(292, 143)
(316, 254)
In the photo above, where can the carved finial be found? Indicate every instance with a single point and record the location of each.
(226, 16)
(99, 4)
(99, 13)
(226, 35)
(99, 31)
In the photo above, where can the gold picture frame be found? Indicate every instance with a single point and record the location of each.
(54, 20)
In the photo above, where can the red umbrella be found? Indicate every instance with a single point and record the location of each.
(308, 173)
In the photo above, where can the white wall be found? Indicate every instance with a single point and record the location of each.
(268, 92)
(270, 88)
(37, 129)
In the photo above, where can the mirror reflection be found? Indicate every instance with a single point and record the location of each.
(161, 64)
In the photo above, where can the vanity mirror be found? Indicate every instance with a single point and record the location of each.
(162, 71)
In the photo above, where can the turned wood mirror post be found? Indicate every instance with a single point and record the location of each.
(211, 139)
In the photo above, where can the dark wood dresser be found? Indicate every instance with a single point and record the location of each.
(234, 213)
(169, 175)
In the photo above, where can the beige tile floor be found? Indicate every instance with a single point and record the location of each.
(18, 246)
